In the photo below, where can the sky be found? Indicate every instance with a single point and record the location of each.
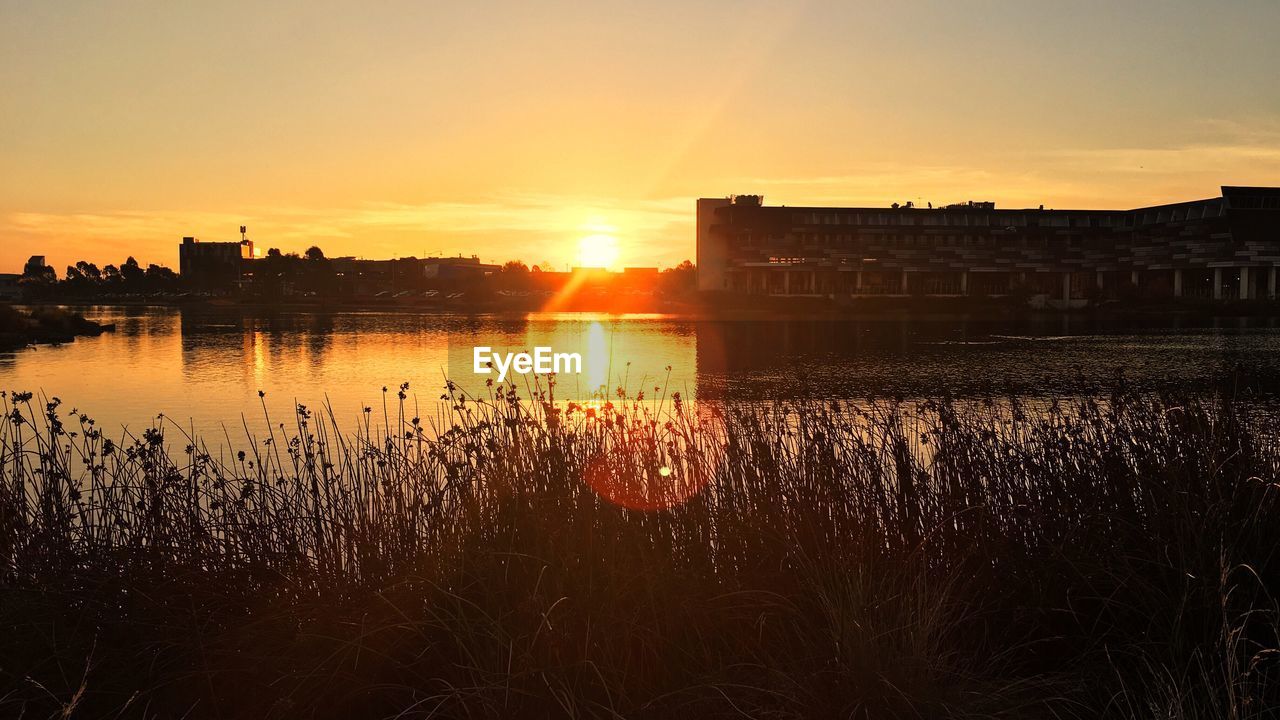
(513, 130)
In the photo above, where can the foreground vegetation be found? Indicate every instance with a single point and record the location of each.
(1108, 557)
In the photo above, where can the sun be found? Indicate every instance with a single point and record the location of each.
(598, 251)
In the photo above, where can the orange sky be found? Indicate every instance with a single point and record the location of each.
(514, 129)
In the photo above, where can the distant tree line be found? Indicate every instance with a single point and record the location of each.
(678, 280)
(86, 279)
(275, 275)
(278, 274)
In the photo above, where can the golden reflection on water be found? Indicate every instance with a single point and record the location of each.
(598, 357)
(259, 359)
(209, 368)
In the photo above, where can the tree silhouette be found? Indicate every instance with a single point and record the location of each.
(678, 280)
(130, 271)
(89, 271)
(34, 272)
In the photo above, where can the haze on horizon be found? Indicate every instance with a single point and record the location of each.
(514, 130)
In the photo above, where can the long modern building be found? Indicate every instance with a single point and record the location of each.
(1226, 247)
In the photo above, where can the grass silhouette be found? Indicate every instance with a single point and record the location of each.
(513, 556)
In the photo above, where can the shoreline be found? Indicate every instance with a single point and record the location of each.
(718, 309)
(45, 325)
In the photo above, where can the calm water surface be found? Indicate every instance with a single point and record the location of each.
(207, 366)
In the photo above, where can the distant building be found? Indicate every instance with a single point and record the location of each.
(9, 287)
(595, 280)
(638, 279)
(357, 276)
(550, 280)
(591, 274)
(1222, 248)
(457, 269)
(213, 265)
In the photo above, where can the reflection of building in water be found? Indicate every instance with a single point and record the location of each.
(244, 347)
(1226, 247)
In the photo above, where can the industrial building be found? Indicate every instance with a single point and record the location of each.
(1226, 247)
(214, 265)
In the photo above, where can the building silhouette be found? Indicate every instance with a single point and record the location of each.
(213, 265)
(1227, 247)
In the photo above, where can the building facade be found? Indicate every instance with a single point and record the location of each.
(10, 287)
(213, 265)
(1227, 247)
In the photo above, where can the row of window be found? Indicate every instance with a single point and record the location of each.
(841, 240)
(1179, 213)
(1256, 202)
(845, 241)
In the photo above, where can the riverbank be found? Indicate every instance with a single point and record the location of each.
(44, 325)
(708, 307)
(1098, 558)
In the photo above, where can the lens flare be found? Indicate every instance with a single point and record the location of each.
(641, 488)
(598, 251)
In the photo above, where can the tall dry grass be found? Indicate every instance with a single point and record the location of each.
(640, 557)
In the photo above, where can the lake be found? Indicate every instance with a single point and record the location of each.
(207, 365)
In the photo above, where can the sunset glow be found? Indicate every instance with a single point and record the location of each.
(365, 132)
(598, 251)
(626, 360)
